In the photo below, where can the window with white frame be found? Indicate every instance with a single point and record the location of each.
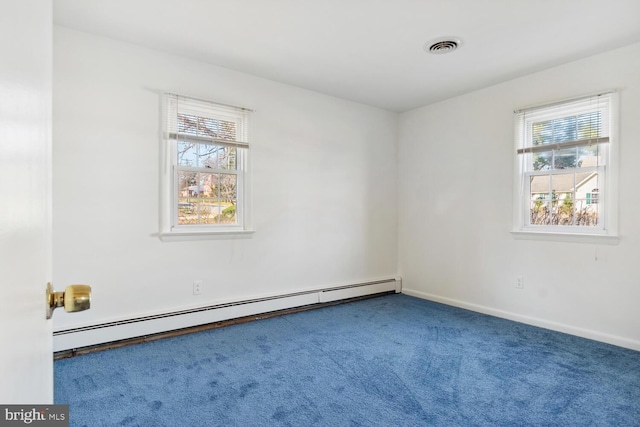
(564, 169)
(207, 153)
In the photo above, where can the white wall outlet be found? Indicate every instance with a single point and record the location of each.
(197, 287)
(519, 282)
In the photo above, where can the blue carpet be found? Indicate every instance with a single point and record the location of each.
(388, 361)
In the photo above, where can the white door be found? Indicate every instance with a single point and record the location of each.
(26, 365)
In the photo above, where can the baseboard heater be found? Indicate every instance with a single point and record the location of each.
(86, 336)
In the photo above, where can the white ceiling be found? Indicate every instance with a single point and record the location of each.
(368, 51)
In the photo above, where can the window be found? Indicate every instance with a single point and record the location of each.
(206, 167)
(563, 159)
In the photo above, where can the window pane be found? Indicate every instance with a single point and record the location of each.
(216, 128)
(562, 198)
(187, 184)
(587, 216)
(542, 133)
(221, 157)
(588, 156)
(562, 185)
(187, 210)
(589, 125)
(205, 126)
(187, 197)
(542, 161)
(187, 154)
(208, 155)
(195, 197)
(207, 198)
(582, 126)
(565, 199)
(587, 187)
(540, 187)
(565, 129)
(564, 159)
(188, 123)
(204, 155)
(562, 211)
(587, 199)
(539, 212)
(208, 210)
(540, 198)
(228, 198)
(227, 158)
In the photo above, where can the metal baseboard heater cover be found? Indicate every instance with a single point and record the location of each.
(86, 336)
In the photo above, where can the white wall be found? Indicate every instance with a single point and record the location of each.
(455, 209)
(325, 194)
(324, 185)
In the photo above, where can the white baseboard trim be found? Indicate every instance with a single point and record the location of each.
(102, 333)
(534, 321)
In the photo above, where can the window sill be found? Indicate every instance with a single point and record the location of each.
(181, 236)
(606, 239)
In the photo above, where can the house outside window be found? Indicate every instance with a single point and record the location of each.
(563, 163)
(206, 155)
(592, 197)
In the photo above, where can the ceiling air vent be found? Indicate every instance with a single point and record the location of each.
(442, 46)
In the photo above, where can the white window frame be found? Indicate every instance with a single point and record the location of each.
(171, 230)
(606, 169)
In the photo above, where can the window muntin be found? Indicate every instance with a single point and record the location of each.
(562, 154)
(208, 147)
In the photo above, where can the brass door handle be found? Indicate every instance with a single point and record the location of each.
(74, 298)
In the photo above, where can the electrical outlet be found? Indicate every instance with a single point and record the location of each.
(519, 282)
(197, 287)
